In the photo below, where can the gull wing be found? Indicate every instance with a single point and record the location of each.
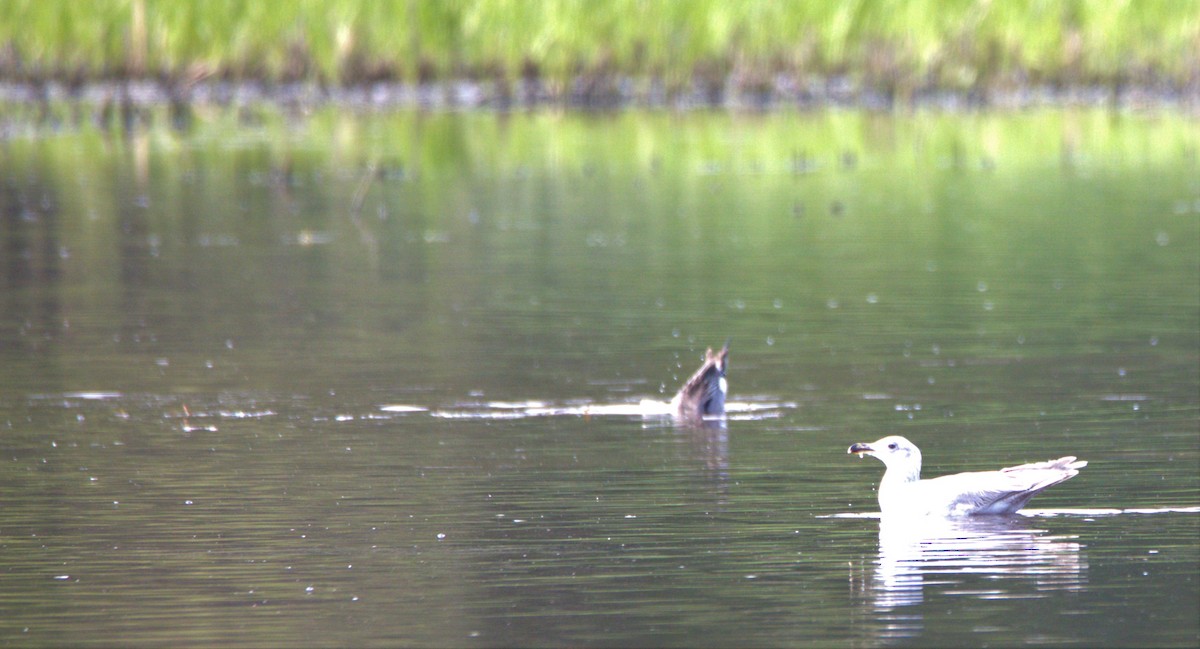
(990, 492)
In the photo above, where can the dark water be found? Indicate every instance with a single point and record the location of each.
(376, 379)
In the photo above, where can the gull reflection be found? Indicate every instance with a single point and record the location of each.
(992, 557)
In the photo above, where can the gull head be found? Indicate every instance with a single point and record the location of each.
(897, 453)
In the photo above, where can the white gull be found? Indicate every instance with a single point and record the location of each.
(903, 492)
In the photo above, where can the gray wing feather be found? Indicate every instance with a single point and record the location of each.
(996, 492)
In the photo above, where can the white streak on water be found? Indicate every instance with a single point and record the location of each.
(739, 410)
(1051, 513)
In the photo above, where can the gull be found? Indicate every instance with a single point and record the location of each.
(704, 393)
(902, 491)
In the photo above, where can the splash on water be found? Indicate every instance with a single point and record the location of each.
(646, 408)
(403, 408)
(93, 395)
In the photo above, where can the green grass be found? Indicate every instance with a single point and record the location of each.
(890, 43)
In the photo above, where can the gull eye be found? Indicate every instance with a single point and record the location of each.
(893, 446)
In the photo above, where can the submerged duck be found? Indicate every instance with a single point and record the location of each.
(902, 491)
(704, 393)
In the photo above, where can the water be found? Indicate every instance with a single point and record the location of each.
(389, 379)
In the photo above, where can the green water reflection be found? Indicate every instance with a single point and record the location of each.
(200, 333)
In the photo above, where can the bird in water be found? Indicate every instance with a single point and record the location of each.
(704, 393)
(903, 492)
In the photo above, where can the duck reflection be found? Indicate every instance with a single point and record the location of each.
(993, 557)
(706, 443)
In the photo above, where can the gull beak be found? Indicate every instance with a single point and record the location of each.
(860, 449)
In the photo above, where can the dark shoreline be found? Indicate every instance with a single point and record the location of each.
(586, 94)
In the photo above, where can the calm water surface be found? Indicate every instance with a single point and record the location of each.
(361, 380)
